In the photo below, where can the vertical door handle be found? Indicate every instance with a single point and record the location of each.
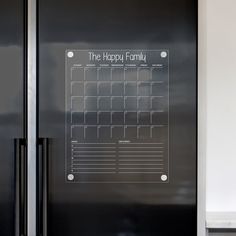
(20, 187)
(42, 185)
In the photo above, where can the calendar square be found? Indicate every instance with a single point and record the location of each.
(104, 74)
(131, 89)
(104, 132)
(90, 74)
(117, 118)
(131, 74)
(77, 89)
(91, 118)
(104, 103)
(77, 103)
(130, 118)
(104, 89)
(91, 132)
(131, 103)
(104, 118)
(90, 89)
(77, 132)
(117, 74)
(77, 74)
(117, 89)
(118, 103)
(91, 103)
(117, 132)
(77, 118)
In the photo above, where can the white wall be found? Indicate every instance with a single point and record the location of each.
(220, 105)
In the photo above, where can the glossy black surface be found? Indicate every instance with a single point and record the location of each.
(11, 105)
(117, 116)
(120, 209)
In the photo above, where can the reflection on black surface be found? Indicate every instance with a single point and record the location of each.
(124, 220)
(123, 210)
(11, 106)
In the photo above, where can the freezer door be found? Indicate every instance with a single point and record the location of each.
(117, 104)
(11, 115)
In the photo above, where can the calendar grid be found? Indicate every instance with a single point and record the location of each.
(114, 97)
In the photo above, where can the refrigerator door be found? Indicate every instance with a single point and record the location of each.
(11, 117)
(117, 116)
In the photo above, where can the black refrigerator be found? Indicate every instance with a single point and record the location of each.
(99, 118)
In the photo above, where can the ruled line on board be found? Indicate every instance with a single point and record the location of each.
(140, 160)
(130, 155)
(78, 156)
(94, 168)
(96, 160)
(140, 147)
(96, 164)
(94, 147)
(141, 151)
(139, 168)
(90, 172)
(142, 164)
(139, 172)
(95, 151)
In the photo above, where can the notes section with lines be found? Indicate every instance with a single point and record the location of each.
(124, 162)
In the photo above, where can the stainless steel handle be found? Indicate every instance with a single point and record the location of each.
(20, 188)
(42, 183)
